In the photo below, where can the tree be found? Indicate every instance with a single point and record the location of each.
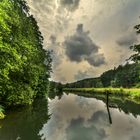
(136, 57)
(24, 65)
(107, 77)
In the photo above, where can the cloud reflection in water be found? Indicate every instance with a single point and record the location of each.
(79, 118)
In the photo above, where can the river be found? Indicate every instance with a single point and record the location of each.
(74, 117)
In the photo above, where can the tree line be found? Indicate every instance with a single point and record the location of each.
(126, 76)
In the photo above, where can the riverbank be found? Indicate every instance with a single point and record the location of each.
(133, 93)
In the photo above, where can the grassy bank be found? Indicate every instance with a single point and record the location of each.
(132, 92)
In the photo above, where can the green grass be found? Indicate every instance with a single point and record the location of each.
(132, 92)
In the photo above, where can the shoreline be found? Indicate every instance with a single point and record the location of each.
(132, 93)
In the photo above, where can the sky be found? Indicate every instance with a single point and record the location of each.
(88, 37)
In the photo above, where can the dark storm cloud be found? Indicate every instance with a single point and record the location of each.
(70, 4)
(96, 59)
(127, 40)
(81, 47)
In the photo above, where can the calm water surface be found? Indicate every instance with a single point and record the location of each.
(74, 117)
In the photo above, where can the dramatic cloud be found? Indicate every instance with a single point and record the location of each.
(80, 47)
(70, 4)
(127, 39)
(110, 24)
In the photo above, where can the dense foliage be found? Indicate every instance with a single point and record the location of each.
(87, 83)
(136, 57)
(24, 65)
(124, 76)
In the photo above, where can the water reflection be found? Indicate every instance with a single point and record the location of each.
(78, 118)
(122, 103)
(107, 105)
(54, 94)
(74, 117)
(24, 124)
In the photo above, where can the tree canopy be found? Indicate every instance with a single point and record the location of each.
(24, 65)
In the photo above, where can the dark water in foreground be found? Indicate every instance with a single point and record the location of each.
(74, 118)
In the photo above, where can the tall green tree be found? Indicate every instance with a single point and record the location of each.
(24, 64)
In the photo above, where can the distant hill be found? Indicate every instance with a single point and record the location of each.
(122, 76)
